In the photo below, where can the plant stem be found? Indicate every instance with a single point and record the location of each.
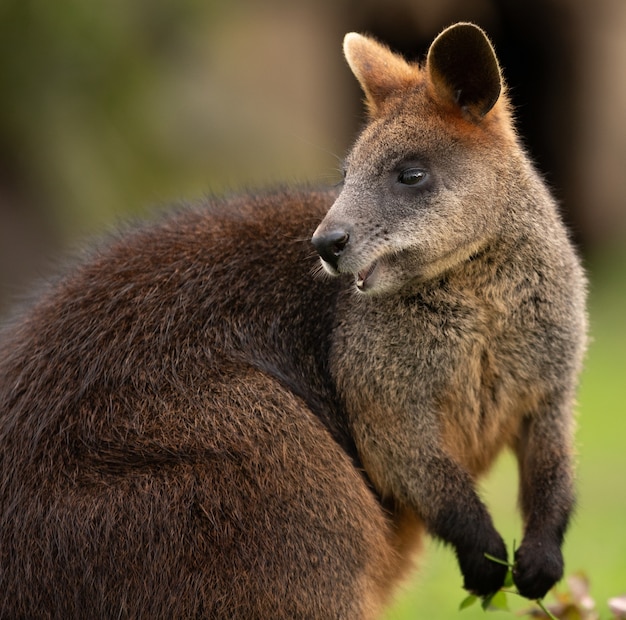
(545, 610)
(498, 560)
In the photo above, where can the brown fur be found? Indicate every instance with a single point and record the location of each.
(193, 425)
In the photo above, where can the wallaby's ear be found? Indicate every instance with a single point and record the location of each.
(379, 71)
(464, 70)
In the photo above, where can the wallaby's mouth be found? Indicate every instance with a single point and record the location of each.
(364, 278)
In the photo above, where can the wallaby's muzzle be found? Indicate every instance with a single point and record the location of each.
(331, 245)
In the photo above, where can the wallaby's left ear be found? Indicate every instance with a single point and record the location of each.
(464, 70)
(379, 71)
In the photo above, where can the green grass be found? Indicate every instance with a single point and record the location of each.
(596, 542)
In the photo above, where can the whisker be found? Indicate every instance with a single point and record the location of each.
(318, 272)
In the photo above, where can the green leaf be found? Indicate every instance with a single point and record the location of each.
(468, 601)
(486, 602)
(498, 601)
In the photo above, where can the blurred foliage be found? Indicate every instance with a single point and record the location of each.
(78, 79)
(110, 107)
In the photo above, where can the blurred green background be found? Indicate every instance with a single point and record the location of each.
(109, 109)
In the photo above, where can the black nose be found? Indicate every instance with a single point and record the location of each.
(330, 245)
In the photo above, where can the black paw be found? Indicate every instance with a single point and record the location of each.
(481, 575)
(538, 566)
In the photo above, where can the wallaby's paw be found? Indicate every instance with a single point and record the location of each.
(538, 566)
(481, 575)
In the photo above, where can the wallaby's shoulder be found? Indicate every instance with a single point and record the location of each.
(246, 227)
(223, 272)
(238, 218)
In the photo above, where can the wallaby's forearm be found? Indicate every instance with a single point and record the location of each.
(546, 499)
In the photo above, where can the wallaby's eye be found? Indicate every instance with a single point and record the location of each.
(412, 176)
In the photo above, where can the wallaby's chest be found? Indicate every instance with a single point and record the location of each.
(451, 356)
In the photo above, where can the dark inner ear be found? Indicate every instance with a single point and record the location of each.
(462, 60)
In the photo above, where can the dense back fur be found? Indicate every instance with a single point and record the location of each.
(195, 424)
(170, 433)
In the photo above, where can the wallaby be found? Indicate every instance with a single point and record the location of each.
(198, 422)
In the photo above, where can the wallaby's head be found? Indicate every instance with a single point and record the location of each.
(426, 183)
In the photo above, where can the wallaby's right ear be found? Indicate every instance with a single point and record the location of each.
(379, 71)
(464, 70)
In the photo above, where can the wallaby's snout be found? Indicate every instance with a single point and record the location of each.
(331, 245)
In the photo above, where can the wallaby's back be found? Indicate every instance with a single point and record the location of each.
(170, 444)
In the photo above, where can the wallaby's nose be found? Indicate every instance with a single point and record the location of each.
(330, 245)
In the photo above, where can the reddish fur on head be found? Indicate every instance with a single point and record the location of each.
(461, 74)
